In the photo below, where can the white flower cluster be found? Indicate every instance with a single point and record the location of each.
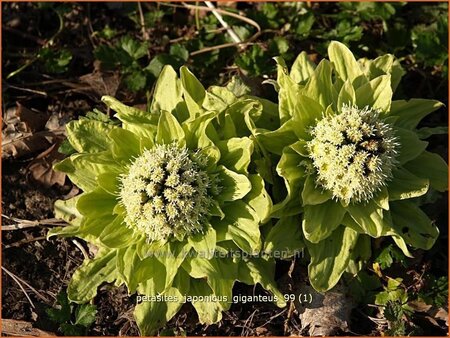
(353, 153)
(167, 192)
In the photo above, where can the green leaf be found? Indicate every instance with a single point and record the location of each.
(312, 195)
(376, 94)
(179, 51)
(117, 234)
(168, 91)
(289, 168)
(88, 277)
(330, 258)
(302, 69)
(275, 141)
(125, 144)
(288, 93)
(258, 198)
(381, 198)
(261, 270)
(319, 221)
(136, 81)
(134, 48)
(411, 112)
(410, 145)
(172, 255)
(96, 203)
(127, 262)
(209, 312)
(220, 274)
(194, 92)
(431, 166)
(235, 186)
(426, 132)
(278, 245)
(305, 114)
(109, 183)
(241, 225)
(169, 130)
(61, 315)
(85, 315)
(152, 315)
(89, 136)
(346, 96)
(236, 153)
(344, 62)
(413, 225)
(85, 168)
(360, 254)
(387, 64)
(401, 244)
(319, 86)
(197, 137)
(68, 211)
(146, 272)
(405, 185)
(369, 216)
(204, 243)
(218, 99)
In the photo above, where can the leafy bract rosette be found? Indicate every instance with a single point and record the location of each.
(170, 202)
(352, 160)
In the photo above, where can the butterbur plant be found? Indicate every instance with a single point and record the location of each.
(352, 160)
(170, 202)
(175, 200)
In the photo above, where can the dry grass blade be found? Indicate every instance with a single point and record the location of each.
(20, 281)
(16, 279)
(23, 223)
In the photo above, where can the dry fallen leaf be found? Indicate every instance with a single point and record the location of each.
(23, 132)
(102, 83)
(327, 314)
(41, 168)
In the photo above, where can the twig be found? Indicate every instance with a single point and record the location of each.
(142, 21)
(24, 241)
(274, 316)
(218, 10)
(29, 286)
(90, 28)
(23, 223)
(219, 17)
(26, 90)
(249, 320)
(15, 278)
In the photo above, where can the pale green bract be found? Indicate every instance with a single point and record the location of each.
(169, 198)
(351, 160)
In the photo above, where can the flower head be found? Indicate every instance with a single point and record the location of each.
(353, 153)
(167, 192)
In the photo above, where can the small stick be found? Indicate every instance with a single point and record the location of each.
(225, 25)
(14, 277)
(24, 241)
(27, 285)
(142, 20)
(24, 223)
